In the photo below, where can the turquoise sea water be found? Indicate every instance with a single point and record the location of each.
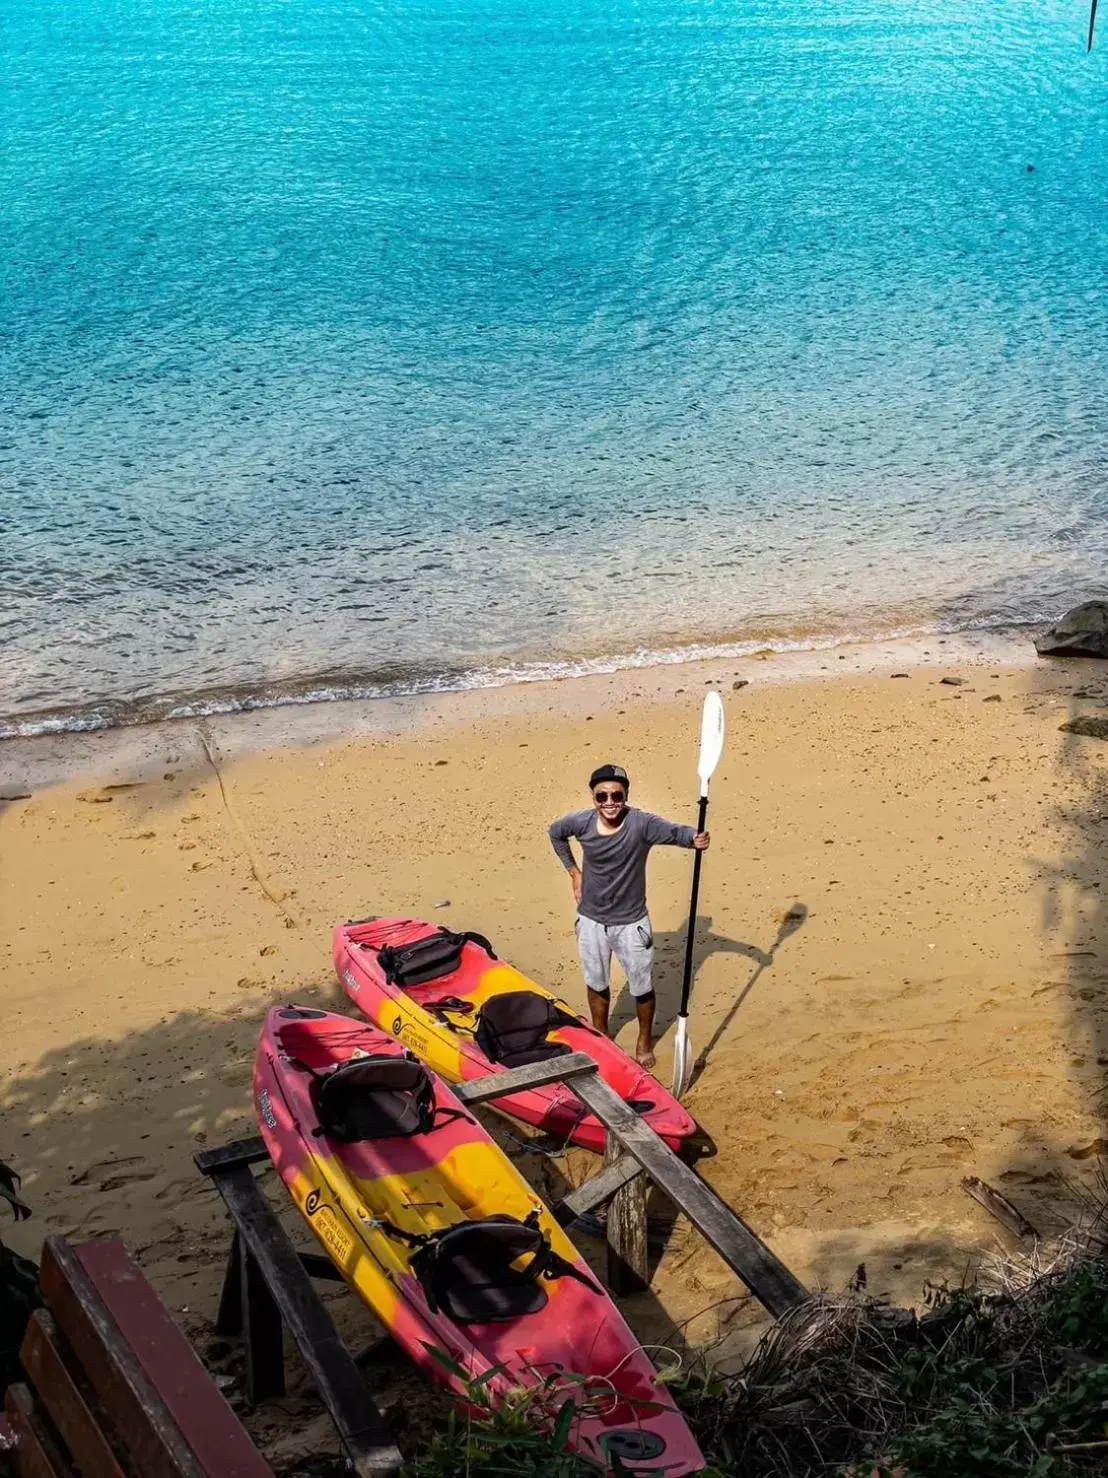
(355, 347)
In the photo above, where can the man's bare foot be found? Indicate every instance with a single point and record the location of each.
(644, 1055)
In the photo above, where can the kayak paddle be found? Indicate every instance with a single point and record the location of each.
(711, 747)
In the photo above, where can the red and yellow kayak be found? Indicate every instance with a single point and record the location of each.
(466, 1014)
(436, 1230)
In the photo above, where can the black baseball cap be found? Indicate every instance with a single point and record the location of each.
(609, 772)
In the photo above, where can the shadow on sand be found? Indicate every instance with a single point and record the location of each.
(669, 961)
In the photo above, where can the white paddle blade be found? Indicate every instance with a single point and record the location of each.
(711, 738)
(682, 1058)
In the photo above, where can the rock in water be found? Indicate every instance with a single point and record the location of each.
(1091, 727)
(1082, 632)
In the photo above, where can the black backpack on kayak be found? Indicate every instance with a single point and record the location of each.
(512, 1028)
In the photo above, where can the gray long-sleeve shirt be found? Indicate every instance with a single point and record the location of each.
(613, 885)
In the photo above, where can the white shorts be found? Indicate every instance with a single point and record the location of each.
(632, 945)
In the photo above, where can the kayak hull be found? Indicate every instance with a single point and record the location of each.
(452, 1052)
(371, 1202)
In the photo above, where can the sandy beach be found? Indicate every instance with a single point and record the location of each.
(903, 944)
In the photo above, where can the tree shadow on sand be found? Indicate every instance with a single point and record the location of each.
(1073, 909)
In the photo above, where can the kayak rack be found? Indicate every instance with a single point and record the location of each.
(634, 1153)
(268, 1283)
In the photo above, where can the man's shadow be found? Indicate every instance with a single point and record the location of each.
(669, 964)
(793, 920)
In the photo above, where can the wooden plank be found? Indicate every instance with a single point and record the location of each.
(520, 1079)
(999, 1206)
(36, 1454)
(239, 1152)
(763, 1273)
(628, 1263)
(44, 1361)
(150, 1434)
(596, 1190)
(360, 1425)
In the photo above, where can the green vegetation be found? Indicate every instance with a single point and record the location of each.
(525, 1436)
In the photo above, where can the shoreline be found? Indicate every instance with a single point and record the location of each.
(308, 692)
(46, 758)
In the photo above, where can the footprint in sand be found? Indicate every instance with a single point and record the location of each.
(1025, 1178)
(1096, 1147)
(133, 1177)
(182, 1190)
(103, 794)
(122, 1176)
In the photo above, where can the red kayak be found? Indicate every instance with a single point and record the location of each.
(429, 1221)
(466, 1014)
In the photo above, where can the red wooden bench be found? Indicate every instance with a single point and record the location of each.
(114, 1388)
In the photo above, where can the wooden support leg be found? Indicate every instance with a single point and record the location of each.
(628, 1265)
(261, 1318)
(229, 1318)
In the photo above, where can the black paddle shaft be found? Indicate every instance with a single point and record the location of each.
(691, 940)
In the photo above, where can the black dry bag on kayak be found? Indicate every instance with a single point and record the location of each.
(427, 959)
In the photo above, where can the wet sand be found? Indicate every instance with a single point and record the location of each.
(903, 954)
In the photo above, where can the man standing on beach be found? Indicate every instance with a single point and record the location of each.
(610, 891)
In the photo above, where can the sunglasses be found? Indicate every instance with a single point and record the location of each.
(602, 797)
